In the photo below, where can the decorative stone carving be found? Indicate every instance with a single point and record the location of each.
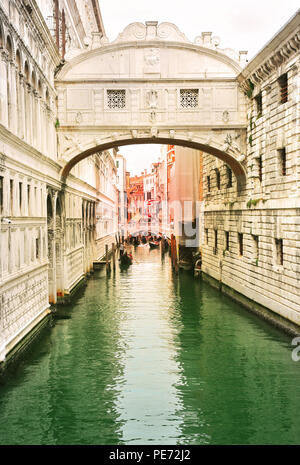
(152, 98)
(168, 31)
(152, 60)
(225, 116)
(68, 144)
(229, 143)
(154, 132)
(2, 162)
(78, 118)
(134, 31)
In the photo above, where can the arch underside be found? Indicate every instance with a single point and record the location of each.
(229, 159)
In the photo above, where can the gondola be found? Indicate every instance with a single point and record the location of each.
(153, 245)
(125, 260)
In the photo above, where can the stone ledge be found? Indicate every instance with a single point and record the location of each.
(22, 342)
(261, 311)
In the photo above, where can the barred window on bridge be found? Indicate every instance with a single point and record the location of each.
(189, 98)
(116, 99)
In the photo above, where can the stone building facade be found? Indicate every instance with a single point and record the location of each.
(50, 231)
(251, 242)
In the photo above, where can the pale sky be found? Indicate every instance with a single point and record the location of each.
(240, 25)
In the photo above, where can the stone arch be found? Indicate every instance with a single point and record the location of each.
(229, 156)
(40, 88)
(33, 80)
(19, 60)
(9, 47)
(26, 71)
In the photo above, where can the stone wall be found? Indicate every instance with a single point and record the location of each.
(252, 241)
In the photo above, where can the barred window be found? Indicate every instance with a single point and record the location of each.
(258, 101)
(282, 161)
(279, 251)
(227, 240)
(215, 249)
(189, 98)
(240, 241)
(218, 179)
(116, 99)
(229, 177)
(283, 87)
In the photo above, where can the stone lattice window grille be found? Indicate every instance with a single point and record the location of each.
(189, 98)
(116, 99)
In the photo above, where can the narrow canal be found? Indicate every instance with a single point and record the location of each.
(146, 357)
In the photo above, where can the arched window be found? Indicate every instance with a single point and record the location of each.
(18, 61)
(47, 97)
(9, 47)
(33, 80)
(26, 71)
(40, 89)
(1, 37)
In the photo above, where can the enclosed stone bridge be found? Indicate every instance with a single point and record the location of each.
(152, 85)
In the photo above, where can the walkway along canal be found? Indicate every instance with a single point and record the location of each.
(148, 357)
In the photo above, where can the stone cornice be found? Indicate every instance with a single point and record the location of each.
(215, 53)
(38, 20)
(8, 137)
(282, 47)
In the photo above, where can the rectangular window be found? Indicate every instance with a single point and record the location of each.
(240, 241)
(1, 194)
(283, 88)
(117, 163)
(208, 183)
(227, 240)
(279, 251)
(189, 98)
(282, 161)
(206, 235)
(37, 248)
(28, 199)
(20, 195)
(255, 246)
(229, 177)
(258, 101)
(216, 242)
(116, 99)
(11, 196)
(259, 162)
(218, 179)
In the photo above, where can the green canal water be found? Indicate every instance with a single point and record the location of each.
(146, 357)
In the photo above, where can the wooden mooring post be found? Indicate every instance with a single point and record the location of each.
(174, 253)
(114, 256)
(106, 259)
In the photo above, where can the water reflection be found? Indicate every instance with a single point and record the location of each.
(149, 357)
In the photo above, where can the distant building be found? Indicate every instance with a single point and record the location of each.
(122, 193)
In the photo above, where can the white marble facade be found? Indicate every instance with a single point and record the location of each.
(49, 232)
